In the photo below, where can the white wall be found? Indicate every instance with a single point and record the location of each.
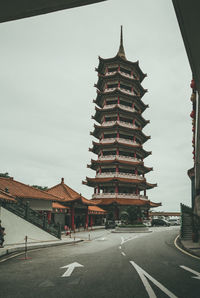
(16, 228)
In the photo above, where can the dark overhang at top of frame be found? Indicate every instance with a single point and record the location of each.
(12, 10)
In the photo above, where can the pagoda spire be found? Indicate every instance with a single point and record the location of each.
(121, 51)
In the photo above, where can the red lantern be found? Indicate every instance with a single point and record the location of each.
(192, 114)
(192, 84)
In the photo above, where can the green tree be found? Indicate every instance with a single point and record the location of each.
(40, 187)
(6, 175)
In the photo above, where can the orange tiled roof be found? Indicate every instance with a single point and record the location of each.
(152, 204)
(6, 196)
(67, 194)
(59, 206)
(96, 210)
(21, 190)
(125, 202)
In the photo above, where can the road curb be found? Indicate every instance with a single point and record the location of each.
(179, 245)
(12, 250)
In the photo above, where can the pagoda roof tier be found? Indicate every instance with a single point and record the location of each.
(126, 202)
(116, 161)
(101, 96)
(124, 110)
(103, 63)
(119, 143)
(103, 79)
(141, 184)
(122, 127)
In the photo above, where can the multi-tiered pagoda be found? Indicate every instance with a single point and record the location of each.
(120, 170)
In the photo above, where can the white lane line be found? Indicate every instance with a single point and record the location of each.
(120, 247)
(128, 239)
(123, 254)
(144, 275)
(192, 271)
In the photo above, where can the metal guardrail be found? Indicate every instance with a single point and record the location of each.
(32, 216)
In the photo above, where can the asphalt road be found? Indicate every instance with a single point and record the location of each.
(113, 265)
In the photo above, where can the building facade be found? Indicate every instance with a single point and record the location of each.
(120, 170)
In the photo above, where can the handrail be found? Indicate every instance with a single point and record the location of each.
(32, 216)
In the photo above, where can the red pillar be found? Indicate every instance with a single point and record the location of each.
(118, 100)
(118, 151)
(116, 188)
(144, 192)
(49, 216)
(72, 217)
(86, 219)
(116, 213)
(91, 220)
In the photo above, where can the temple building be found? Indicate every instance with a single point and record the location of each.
(120, 171)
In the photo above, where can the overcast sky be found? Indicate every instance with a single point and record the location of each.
(46, 84)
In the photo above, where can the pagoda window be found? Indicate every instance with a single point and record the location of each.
(124, 153)
(126, 104)
(137, 124)
(125, 87)
(125, 137)
(136, 108)
(113, 118)
(109, 136)
(125, 70)
(112, 102)
(110, 170)
(112, 85)
(126, 120)
(112, 69)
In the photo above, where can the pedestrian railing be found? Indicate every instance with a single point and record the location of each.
(32, 216)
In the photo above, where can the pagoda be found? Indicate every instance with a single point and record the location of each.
(120, 170)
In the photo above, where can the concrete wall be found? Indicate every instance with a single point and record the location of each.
(16, 228)
(37, 204)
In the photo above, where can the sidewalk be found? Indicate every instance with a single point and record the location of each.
(78, 236)
(188, 245)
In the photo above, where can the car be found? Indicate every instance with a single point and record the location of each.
(110, 224)
(159, 222)
(147, 222)
(174, 222)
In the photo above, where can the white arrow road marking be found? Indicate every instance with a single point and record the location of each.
(144, 275)
(70, 268)
(192, 271)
